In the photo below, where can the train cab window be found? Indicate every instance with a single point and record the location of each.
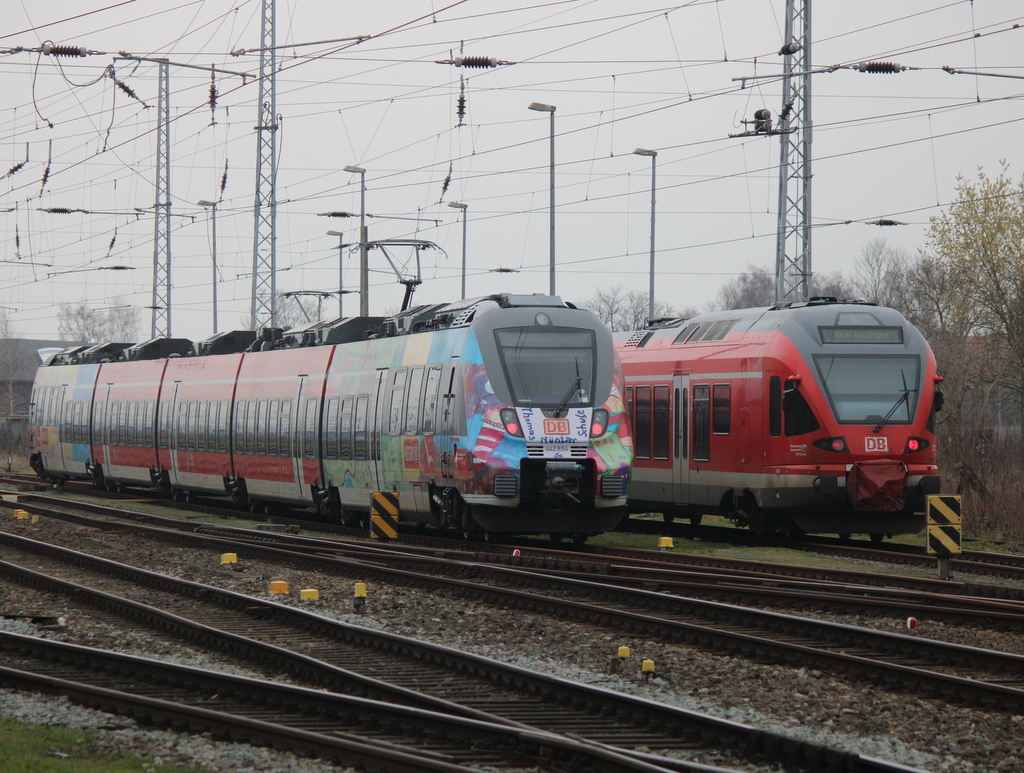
(430, 399)
(775, 406)
(721, 411)
(397, 406)
(331, 429)
(412, 410)
(345, 429)
(309, 429)
(359, 423)
(701, 422)
(642, 427)
(662, 426)
(800, 418)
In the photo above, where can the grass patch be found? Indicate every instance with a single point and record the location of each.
(43, 749)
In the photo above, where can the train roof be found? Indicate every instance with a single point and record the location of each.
(418, 319)
(714, 326)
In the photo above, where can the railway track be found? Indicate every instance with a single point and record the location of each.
(953, 672)
(332, 726)
(740, 581)
(386, 667)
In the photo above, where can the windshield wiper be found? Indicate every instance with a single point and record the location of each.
(904, 398)
(576, 385)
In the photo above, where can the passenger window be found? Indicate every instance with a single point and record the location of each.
(701, 423)
(642, 428)
(430, 399)
(345, 428)
(284, 437)
(331, 429)
(412, 412)
(722, 409)
(360, 427)
(309, 429)
(396, 412)
(662, 425)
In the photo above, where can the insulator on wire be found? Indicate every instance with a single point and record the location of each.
(16, 168)
(790, 48)
(885, 221)
(460, 111)
(334, 213)
(51, 50)
(475, 61)
(224, 178)
(880, 67)
(58, 210)
(127, 89)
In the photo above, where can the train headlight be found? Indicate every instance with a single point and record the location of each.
(511, 422)
(598, 423)
(915, 444)
(836, 445)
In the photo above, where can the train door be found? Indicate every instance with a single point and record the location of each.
(300, 436)
(681, 446)
(378, 420)
(177, 427)
(101, 428)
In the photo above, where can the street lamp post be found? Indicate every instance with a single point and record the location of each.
(654, 157)
(212, 205)
(465, 212)
(341, 269)
(364, 268)
(550, 110)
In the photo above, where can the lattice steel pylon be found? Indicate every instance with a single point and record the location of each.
(161, 327)
(264, 247)
(793, 239)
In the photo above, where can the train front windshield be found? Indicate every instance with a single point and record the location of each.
(548, 367)
(869, 388)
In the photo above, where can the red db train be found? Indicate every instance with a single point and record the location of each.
(496, 414)
(813, 417)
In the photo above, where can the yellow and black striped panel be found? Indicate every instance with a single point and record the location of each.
(384, 515)
(944, 524)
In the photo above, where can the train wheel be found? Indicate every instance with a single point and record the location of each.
(668, 517)
(877, 537)
(696, 519)
(845, 535)
(579, 538)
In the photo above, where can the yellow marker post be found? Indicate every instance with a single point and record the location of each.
(278, 586)
(360, 598)
(309, 594)
(944, 529)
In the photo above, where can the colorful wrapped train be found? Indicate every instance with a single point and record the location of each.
(813, 417)
(502, 414)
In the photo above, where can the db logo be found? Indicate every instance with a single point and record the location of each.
(556, 426)
(878, 444)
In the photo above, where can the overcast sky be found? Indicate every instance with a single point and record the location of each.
(622, 76)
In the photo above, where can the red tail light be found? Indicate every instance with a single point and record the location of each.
(599, 423)
(915, 444)
(511, 422)
(835, 444)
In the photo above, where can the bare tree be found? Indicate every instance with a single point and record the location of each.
(82, 323)
(754, 287)
(880, 273)
(833, 285)
(622, 309)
